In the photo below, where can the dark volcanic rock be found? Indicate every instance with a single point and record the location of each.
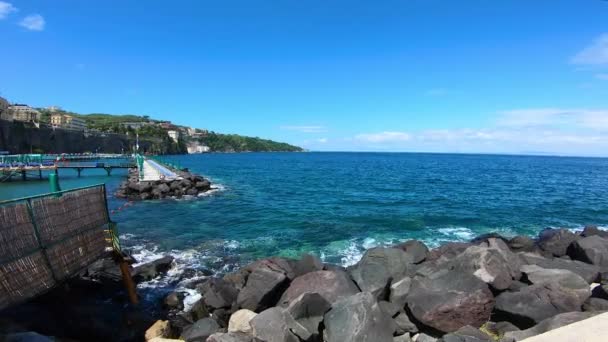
(594, 231)
(595, 304)
(358, 318)
(174, 300)
(264, 285)
(404, 324)
(230, 337)
(449, 300)
(535, 303)
(416, 249)
(152, 269)
(485, 237)
(307, 263)
(378, 267)
(467, 334)
(399, 290)
(332, 285)
(305, 313)
(492, 262)
(548, 324)
(448, 251)
(522, 244)
(564, 278)
(200, 331)
(556, 241)
(220, 294)
(271, 326)
(592, 249)
(588, 272)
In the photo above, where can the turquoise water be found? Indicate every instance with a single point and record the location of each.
(337, 204)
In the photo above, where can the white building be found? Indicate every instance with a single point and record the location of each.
(173, 135)
(197, 148)
(22, 112)
(4, 114)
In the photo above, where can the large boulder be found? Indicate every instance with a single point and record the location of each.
(548, 324)
(230, 337)
(271, 326)
(307, 263)
(403, 324)
(522, 243)
(535, 303)
(200, 330)
(564, 278)
(467, 334)
(588, 272)
(219, 293)
(556, 241)
(399, 290)
(450, 300)
(240, 321)
(595, 304)
(305, 313)
(358, 318)
(151, 270)
(492, 262)
(448, 250)
(163, 188)
(264, 284)
(594, 231)
(378, 268)
(416, 249)
(592, 250)
(331, 285)
(158, 329)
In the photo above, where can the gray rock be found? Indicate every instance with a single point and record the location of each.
(556, 241)
(594, 231)
(271, 326)
(448, 250)
(416, 249)
(535, 303)
(191, 192)
(389, 308)
(564, 278)
(174, 301)
(595, 304)
(492, 262)
(307, 263)
(220, 293)
(404, 324)
(163, 188)
(467, 334)
(422, 337)
(483, 238)
(305, 314)
(402, 338)
(378, 267)
(357, 318)
(399, 291)
(264, 285)
(331, 285)
(522, 243)
(449, 300)
(588, 272)
(230, 337)
(200, 330)
(548, 324)
(152, 269)
(592, 249)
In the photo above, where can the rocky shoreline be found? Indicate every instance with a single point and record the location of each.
(190, 185)
(489, 289)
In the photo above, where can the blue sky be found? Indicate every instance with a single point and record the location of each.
(410, 75)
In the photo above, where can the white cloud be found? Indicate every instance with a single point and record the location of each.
(6, 9)
(555, 118)
(602, 77)
(322, 140)
(305, 129)
(33, 22)
(383, 137)
(594, 54)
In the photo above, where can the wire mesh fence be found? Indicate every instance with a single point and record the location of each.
(48, 238)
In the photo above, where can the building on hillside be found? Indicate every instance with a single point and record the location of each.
(174, 135)
(135, 125)
(166, 125)
(53, 109)
(66, 121)
(4, 114)
(197, 148)
(23, 112)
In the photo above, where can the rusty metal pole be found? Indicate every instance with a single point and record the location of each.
(128, 281)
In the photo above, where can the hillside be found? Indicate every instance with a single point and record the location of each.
(238, 143)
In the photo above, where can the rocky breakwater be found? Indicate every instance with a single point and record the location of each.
(490, 289)
(189, 185)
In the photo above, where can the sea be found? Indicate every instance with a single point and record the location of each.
(337, 205)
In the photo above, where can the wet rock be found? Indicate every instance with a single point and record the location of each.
(163, 188)
(305, 314)
(307, 263)
(199, 310)
(264, 286)
(483, 238)
(219, 293)
(594, 231)
(588, 272)
(522, 243)
(271, 326)
(331, 285)
(416, 249)
(548, 324)
(174, 300)
(467, 334)
(221, 316)
(152, 269)
(200, 330)
(399, 291)
(230, 337)
(378, 267)
(592, 249)
(595, 304)
(239, 321)
(357, 318)
(556, 241)
(535, 303)
(492, 262)
(449, 300)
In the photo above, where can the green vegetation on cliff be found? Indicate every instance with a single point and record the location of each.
(238, 143)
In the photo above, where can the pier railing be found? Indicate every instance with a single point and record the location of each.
(48, 238)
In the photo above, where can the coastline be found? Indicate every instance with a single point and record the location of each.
(478, 283)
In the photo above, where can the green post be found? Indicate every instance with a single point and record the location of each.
(54, 182)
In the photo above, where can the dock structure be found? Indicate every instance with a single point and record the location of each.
(50, 238)
(154, 171)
